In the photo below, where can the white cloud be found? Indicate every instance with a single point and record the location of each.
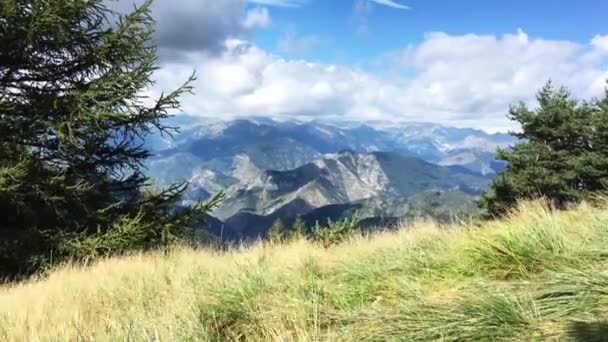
(466, 80)
(202, 25)
(391, 3)
(600, 42)
(257, 17)
(481, 74)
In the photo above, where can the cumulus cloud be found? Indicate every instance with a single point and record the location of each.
(600, 42)
(464, 80)
(473, 74)
(257, 17)
(198, 25)
(202, 25)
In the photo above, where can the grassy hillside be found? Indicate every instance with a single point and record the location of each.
(536, 276)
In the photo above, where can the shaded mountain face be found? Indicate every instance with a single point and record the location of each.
(273, 170)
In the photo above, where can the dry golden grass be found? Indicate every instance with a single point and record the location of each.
(536, 275)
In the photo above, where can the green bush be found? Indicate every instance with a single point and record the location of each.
(336, 231)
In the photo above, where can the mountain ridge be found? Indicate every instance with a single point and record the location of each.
(296, 168)
(376, 183)
(269, 144)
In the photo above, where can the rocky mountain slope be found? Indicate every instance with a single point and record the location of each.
(279, 170)
(375, 184)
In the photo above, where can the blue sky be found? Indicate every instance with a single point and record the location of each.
(459, 63)
(336, 24)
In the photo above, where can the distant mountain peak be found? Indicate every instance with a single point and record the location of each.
(270, 168)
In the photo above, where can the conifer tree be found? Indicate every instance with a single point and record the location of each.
(562, 155)
(72, 122)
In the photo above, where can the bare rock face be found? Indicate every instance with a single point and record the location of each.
(342, 178)
(271, 169)
(359, 176)
(243, 168)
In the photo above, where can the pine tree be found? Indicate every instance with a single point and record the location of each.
(276, 231)
(72, 122)
(562, 155)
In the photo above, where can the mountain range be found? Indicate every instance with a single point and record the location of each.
(283, 169)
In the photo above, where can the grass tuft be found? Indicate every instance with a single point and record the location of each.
(537, 275)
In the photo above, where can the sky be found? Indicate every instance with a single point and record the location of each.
(459, 63)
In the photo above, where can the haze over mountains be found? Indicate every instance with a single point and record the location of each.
(271, 169)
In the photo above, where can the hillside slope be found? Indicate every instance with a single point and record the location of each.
(345, 178)
(538, 275)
